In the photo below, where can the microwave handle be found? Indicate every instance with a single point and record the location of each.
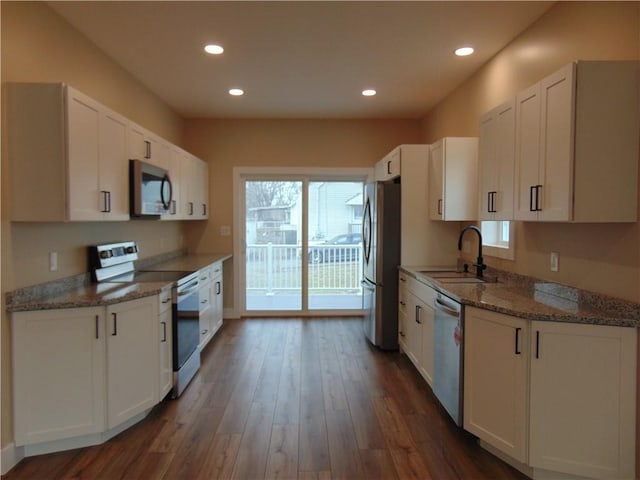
(166, 203)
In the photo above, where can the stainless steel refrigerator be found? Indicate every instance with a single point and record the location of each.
(381, 257)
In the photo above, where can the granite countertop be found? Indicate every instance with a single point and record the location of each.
(78, 291)
(189, 262)
(535, 299)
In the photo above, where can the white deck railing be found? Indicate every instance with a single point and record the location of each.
(277, 268)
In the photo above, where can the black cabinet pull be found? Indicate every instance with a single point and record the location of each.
(418, 314)
(190, 208)
(537, 344)
(492, 202)
(164, 332)
(147, 151)
(218, 288)
(532, 206)
(115, 324)
(204, 209)
(439, 206)
(388, 167)
(97, 327)
(538, 202)
(518, 352)
(106, 201)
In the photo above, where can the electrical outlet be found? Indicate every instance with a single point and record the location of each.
(53, 261)
(225, 230)
(555, 262)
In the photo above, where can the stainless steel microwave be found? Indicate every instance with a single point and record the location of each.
(150, 190)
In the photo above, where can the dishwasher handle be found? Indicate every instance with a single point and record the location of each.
(439, 305)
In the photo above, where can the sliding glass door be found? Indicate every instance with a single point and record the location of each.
(302, 244)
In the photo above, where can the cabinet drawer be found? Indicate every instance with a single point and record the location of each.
(204, 275)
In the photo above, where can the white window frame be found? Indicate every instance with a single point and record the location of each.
(305, 174)
(492, 243)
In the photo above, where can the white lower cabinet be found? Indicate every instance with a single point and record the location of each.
(416, 322)
(206, 309)
(217, 297)
(165, 335)
(58, 374)
(583, 399)
(496, 383)
(132, 359)
(557, 397)
(81, 372)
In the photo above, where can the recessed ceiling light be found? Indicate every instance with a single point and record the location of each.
(236, 92)
(213, 49)
(369, 92)
(464, 51)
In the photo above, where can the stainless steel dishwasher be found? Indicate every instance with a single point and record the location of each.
(448, 355)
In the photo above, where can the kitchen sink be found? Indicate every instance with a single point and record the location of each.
(454, 276)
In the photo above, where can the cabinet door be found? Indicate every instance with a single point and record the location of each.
(527, 153)
(488, 166)
(83, 187)
(206, 309)
(132, 359)
(389, 167)
(113, 166)
(165, 342)
(436, 180)
(402, 312)
(217, 294)
(176, 208)
(583, 399)
(201, 183)
(413, 332)
(58, 374)
(137, 144)
(497, 163)
(496, 380)
(425, 316)
(556, 139)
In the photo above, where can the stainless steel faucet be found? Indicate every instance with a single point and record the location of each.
(480, 266)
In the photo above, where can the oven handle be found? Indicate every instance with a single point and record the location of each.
(445, 308)
(189, 288)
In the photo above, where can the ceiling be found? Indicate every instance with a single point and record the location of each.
(307, 59)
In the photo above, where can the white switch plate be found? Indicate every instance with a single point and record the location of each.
(225, 230)
(53, 261)
(554, 262)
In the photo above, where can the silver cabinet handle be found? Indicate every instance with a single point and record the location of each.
(164, 332)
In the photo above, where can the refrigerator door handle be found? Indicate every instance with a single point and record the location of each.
(367, 228)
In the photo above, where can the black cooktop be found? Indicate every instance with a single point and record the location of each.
(162, 276)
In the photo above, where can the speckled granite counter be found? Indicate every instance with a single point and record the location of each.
(189, 262)
(78, 291)
(536, 300)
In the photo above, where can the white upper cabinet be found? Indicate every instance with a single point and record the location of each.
(145, 146)
(389, 167)
(453, 181)
(577, 145)
(68, 156)
(194, 188)
(496, 163)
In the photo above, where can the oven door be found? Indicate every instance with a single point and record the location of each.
(186, 323)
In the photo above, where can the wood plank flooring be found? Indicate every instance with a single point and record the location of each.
(304, 399)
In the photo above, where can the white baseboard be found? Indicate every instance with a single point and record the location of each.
(10, 456)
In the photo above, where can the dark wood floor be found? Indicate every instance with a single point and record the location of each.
(288, 398)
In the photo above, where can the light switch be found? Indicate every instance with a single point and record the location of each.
(554, 262)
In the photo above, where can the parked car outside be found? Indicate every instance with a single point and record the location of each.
(345, 248)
